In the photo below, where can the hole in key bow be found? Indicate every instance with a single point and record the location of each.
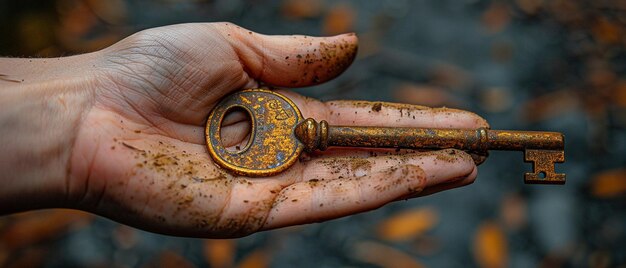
(236, 129)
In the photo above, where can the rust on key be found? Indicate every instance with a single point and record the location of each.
(272, 146)
(543, 166)
(544, 149)
(319, 136)
(279, 134)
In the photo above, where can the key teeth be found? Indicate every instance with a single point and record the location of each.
(543, 166)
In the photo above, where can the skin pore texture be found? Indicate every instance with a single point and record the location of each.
(120, 133)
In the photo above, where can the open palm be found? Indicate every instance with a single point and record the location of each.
(140, 155)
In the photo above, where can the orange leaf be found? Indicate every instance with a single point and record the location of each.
(31, 257)
(76, 18)
(256, 259)
(490, 246)
(172, 259)
(219, 253)
(502, 52)
(607, 32)
(297, 9)
(384, 256)
(550, 105)
(530, 7)
(34, 227)
(427, 245)
(340, 19)
(408, 224)
(496, 17)
(610, 183)
(513, 211)
(450, 76)
(426, 95)
(124, 236)
(111, 11)
(496, 100)
(619, 94)
(4, 256)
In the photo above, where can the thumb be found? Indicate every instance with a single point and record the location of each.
(290, 60)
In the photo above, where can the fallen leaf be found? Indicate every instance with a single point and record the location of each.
(30, 257)
(600, 259)
(609, 183)
(256, 259)
(553, 260)
(619, 94)
(111, 11)
(79, 21)
(599, 74)
(450, 76)
(34, 227)
(369, 44)
(490, 246)
(408, 224)
(4, 256)
(567, 11)
(339, 19)
(496, 17)
(427, 245)
(551, 105)
(125, 237)
(302, 9)
(76, 18)
(530, 7)
(35, 31)
(606, 31)
(384, 256)
(424, 95)
(219, 253)
(171, 259)
(513, 211)
(496, 100)
(502, 52)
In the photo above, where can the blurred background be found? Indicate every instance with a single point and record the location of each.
(556, 65)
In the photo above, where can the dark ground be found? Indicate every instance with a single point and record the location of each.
(525, 64)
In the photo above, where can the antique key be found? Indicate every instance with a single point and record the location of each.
(279, 134)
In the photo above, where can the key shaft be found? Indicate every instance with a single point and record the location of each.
(319, 136)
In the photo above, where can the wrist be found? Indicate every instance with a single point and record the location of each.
(41, 107)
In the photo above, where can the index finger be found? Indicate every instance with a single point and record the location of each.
(368, 113)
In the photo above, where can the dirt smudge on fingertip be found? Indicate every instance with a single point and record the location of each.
(377, 107)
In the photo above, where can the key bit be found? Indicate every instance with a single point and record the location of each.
(280, 134)
(543, 166)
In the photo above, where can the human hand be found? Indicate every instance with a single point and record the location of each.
(138, 153)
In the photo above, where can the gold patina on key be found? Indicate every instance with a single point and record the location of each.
(279, 134)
